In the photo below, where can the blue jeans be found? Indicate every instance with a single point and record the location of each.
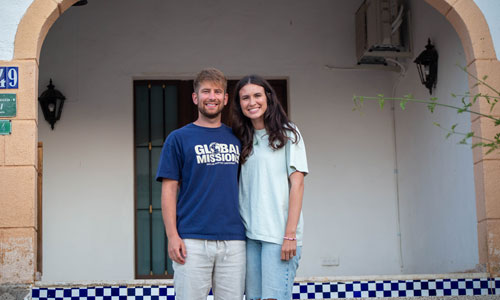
(269, 277)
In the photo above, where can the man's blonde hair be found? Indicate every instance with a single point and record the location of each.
(210, 74)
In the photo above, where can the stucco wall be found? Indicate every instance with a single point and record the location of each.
(491, 12)
(12, 12)
(10, 16)
(88, 179)
(94, 52)
(436, 177)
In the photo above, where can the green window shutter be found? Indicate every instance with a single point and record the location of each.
(155, 116)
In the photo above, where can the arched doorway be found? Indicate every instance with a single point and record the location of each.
(463, 15)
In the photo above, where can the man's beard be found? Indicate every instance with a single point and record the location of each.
(209, 115)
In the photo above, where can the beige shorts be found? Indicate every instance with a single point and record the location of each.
(219, 265)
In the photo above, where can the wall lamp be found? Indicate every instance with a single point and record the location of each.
(51, 102)
(427, 66)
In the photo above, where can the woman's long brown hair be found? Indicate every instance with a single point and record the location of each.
(276, 121)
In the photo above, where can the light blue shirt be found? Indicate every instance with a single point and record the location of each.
(264, 188)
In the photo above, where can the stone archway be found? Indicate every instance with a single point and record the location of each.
(471, 27)
(18, 225)
(18, 151)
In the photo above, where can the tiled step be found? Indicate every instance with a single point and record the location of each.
(449, 286)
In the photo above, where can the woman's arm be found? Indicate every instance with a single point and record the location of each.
(289, 248)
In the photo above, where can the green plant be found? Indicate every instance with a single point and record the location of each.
(466, 102)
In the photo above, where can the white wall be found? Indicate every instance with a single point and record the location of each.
(491, 12)
(12, 12)
(10, 16)
(94, 52)
(436, 180)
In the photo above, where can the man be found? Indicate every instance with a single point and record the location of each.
(206, 238)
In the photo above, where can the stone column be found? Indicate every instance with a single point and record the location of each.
(18, 177)
(487, 169)
(18, 151)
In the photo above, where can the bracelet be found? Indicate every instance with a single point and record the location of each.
(289, 238)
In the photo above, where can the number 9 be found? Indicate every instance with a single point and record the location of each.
(12, 77)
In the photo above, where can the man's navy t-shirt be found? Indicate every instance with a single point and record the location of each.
(205, 162)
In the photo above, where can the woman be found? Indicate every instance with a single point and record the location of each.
(273, 166)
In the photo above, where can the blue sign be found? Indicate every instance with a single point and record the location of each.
(9, 77)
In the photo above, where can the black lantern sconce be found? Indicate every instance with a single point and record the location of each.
(427, 66)
(52, 102)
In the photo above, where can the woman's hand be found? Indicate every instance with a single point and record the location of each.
(288, 249)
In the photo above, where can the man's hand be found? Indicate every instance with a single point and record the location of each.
(176, 247)
(177, 250)
(288, 249)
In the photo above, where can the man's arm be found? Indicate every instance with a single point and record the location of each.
(176, 247)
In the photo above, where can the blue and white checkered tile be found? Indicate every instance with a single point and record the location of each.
(302, 290)
(105, 293)
(495, 286)
(396, 288)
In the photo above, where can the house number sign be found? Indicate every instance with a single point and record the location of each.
(8, 105)
(9, 77)
(5, 127)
